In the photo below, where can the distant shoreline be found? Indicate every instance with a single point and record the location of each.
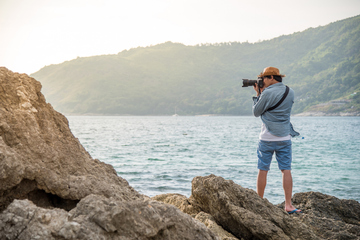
(325, 114)
(304, 114)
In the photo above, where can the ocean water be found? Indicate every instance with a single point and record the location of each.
(163, 154)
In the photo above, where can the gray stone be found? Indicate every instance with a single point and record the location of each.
(210, 223)
(328, 216)
(243, 213)
(40, 159)
(189, 206)
(98, 217)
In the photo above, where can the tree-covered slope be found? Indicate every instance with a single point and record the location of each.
(321, 64)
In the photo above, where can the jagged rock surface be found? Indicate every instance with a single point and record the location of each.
(210, 222)
(40, 159)
(186, 205)
(98, 217)
(243, 213)
(189, 206)
(328, 216)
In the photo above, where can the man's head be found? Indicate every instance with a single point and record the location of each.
(271, 75)
(272, 71)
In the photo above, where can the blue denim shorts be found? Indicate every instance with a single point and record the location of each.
(282, 151)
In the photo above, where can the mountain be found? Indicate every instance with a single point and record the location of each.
(322, 64)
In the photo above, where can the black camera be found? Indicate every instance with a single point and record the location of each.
(259, 82)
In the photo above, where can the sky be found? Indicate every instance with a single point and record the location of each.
(37, 33)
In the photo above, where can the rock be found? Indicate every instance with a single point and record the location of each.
(40, 159)
(189, 206)
(210, 223)
(24, 220)
(98, 217)
(243, 213)
(186, 205)
(328, 216)
(51, 188)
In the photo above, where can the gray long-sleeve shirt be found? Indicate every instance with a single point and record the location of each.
(277, 121)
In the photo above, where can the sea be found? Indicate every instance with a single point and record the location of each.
(162, 154)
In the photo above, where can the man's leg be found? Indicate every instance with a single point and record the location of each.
(288, 185)
(261, 182)
(265, 151)
(284, 158)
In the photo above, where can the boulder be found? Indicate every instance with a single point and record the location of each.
(99, 217)
(328, 216)
(243, 213)
(233, 212)
(51, 188)
(40, 159)
(189, 206)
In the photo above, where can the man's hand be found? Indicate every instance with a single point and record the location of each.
(256, 88)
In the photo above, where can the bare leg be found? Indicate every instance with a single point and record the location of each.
(261, 183)
(288, 185)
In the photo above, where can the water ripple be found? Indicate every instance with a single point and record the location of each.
(163, 154)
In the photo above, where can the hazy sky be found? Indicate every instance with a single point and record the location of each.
(35, 33)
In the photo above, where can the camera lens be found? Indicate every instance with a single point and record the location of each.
(247, 82)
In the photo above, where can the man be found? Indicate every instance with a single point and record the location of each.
(273, 104)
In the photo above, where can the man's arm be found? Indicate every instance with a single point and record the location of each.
(259, 102)
(260, 105)
(258, 90)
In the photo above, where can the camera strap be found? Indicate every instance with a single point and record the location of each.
(281, 100)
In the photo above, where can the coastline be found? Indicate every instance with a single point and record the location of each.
(326, 114)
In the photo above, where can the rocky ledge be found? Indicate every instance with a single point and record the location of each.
(51, 188)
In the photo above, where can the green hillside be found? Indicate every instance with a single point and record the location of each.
(321, 64)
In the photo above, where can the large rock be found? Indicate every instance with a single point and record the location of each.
(221, 204)
(328, 216)
(51, 188)
(243, 213)
(98, 217)
(189, 206)
(40, 159)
